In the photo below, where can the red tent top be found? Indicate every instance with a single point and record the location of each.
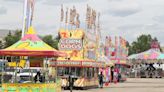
(31, 45)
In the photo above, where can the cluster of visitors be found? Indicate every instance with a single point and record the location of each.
(115, 77)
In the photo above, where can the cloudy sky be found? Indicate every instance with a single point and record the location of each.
(127, 18)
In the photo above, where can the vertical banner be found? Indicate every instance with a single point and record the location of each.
(66, 16)
(98, 32)
(28, 15)
(116, 47)
(24, 18)
(120, 47)
(62, 14)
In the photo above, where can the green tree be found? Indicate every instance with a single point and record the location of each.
(10, 39)
(57, 38)
(1, 45)
(142, 44)
(51, 41)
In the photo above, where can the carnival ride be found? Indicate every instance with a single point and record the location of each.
(30, 46)
(148, 64)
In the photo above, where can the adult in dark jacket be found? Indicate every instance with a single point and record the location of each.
(70, 79)
(101, 80)
(38, 77)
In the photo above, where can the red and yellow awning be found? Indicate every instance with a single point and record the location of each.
(31, 45)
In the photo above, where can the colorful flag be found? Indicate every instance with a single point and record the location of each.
(66, 16)
(29, 13)
(77, 21)
(110, 41)
(88, 17)
(62, 14)
(32, 9)
(116, 46)
(71, 17)
(94, 18)
(98, 26)
(74, 13)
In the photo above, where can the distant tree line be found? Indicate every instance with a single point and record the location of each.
(142, 44)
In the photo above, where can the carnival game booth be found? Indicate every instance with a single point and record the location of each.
(147, 64)
(123, 68)
(106, 70)
(28, 47)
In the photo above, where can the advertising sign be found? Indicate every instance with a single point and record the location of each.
(70, 44)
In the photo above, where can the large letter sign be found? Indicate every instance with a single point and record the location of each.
(70, 44)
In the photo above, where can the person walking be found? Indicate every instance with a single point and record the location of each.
(37, 78)
(70, 79)
(101, 80)
(116, 71)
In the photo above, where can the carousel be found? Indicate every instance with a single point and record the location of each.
(148, 63)
(20, 53)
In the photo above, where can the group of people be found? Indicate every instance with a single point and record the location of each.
(147, 69)
(114, 76)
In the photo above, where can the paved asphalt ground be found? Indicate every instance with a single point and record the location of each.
(131, 85)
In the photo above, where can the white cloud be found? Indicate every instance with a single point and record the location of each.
(59, 2)
(3, 10)
(127, 18)
(123, 7)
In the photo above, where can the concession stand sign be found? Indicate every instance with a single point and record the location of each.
(70, 44)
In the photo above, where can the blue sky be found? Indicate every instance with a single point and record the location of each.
(127, 18)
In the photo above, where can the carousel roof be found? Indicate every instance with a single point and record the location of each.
(149, 54)
(161, 56)
(31, 45)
